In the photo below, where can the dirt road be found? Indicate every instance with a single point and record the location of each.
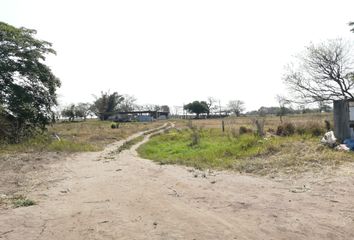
(121, 196)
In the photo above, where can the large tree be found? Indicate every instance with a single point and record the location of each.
(27, 84)
(106, 105)
(324, 72)
(127, 104)
(236, 107)
(197, 107)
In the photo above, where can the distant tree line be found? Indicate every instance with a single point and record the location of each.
(106, 105)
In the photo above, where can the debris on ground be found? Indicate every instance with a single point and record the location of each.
(349, 143)
(342, 147)
(329, 139)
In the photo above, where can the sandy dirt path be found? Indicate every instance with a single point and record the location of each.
(121, 196)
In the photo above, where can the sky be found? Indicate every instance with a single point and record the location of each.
(174, 52)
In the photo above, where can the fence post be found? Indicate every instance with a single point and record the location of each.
(223, 126)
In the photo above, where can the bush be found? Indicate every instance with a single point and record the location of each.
(301, 130)
(316, 130)
(245, 130)
(114, 125)
(286, 129)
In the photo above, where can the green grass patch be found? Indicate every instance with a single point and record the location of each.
(246, 153)
(21, 201)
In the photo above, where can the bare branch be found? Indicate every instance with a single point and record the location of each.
(323, 73)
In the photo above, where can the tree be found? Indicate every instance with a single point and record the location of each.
(324, 73)
(127, 104)
(351, 24)
(283, 103)
(165, 108)
(210, 105)
(236, 107)
(27, 85)
(69, 112)
(106, 105)
(196, 107)
(82, 110)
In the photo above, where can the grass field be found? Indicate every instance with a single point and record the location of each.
(90, 135)
(271, 122)
(205, 146)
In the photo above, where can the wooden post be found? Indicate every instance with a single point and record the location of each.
(223, 126)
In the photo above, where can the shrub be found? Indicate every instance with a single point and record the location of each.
(316, 130)
(244, 130)
(114, 125)
(301, 130)
(21, 201)
(286, 129)
(260, 126)
(195, 137)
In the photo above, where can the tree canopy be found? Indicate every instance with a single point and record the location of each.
(325, 72)
(27, 84)
(105, 105)
(197, 107)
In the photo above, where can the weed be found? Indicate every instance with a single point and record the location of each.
(195, 138)
(21, 201)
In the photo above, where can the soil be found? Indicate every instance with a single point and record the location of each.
(105, 195)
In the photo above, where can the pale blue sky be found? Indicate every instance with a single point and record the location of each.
(173, 52)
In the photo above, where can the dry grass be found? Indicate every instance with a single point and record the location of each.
(271, 122)
(99, 132)
(91, 135)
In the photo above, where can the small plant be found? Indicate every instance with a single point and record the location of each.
(244, 130)
(260, 126)
(115, 125)
(195, 137)
(21, 201)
